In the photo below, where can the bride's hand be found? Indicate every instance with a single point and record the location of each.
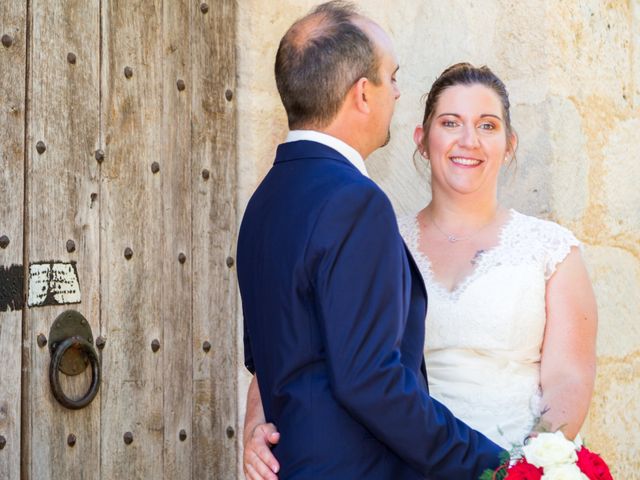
(257, 461)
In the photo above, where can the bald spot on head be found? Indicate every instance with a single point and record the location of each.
(318, 25)
(306, 29)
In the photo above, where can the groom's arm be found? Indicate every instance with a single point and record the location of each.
(358, 265)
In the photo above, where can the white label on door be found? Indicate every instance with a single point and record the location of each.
(53, 283)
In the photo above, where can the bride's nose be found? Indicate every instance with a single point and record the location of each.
(469, 137)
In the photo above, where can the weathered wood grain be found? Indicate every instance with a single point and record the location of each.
(63, 103)
(179, 224)
(213, 62)
(176, 279)
(132, 217)
(12, 92)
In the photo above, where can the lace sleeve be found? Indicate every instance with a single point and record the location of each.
(558, 243)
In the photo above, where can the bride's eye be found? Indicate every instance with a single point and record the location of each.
(487, 126)
(449, 123)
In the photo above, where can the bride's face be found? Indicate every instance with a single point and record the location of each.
(467, 141)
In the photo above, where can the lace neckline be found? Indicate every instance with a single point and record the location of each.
(482, 261)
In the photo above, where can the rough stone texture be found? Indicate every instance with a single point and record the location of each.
(573, 72)
(612, 424)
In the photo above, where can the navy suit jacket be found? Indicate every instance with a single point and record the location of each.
(334, 311)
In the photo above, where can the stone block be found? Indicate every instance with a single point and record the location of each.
(615, 274)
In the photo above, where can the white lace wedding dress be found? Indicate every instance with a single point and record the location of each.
(483, 339)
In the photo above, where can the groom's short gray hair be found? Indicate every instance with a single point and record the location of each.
(319, 59)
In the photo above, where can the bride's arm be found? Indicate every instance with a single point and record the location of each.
(569, 348)
(258, 462)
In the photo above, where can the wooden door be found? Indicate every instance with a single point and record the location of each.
(117, 200)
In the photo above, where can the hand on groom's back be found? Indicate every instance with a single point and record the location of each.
(258, 461)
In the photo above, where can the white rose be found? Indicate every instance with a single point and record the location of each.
(550, 450)
(564, 472)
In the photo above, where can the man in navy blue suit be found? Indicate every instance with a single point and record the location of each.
(333, 304)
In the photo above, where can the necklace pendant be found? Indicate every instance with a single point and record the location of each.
(452, 239)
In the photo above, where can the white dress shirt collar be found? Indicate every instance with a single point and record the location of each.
(338, 145)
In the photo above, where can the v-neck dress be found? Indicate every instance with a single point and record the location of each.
(483, 339)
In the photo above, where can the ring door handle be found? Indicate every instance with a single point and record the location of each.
(71, 348)
(54, 372)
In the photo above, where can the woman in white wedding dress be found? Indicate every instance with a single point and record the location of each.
(511, 322)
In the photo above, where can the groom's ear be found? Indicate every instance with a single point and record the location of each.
(359, 93)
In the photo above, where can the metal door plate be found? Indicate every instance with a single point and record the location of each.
(69, 324)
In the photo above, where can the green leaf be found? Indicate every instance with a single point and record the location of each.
(487, 475)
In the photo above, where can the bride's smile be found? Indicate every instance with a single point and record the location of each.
(466, 162)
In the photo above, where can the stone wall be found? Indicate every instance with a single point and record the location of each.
(573, 72)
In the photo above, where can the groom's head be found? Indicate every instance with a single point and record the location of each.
(331, 57)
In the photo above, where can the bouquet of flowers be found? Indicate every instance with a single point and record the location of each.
(550, 456)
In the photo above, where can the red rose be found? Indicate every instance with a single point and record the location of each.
(592, 465)
(523, 471)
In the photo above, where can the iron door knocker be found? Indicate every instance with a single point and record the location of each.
(71, 348)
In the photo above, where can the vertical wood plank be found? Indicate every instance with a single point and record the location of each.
(176, 211)
(63, 95)
(214, 236)
(13, 23)
(132, 217)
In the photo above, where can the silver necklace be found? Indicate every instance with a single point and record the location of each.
(453, 238)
